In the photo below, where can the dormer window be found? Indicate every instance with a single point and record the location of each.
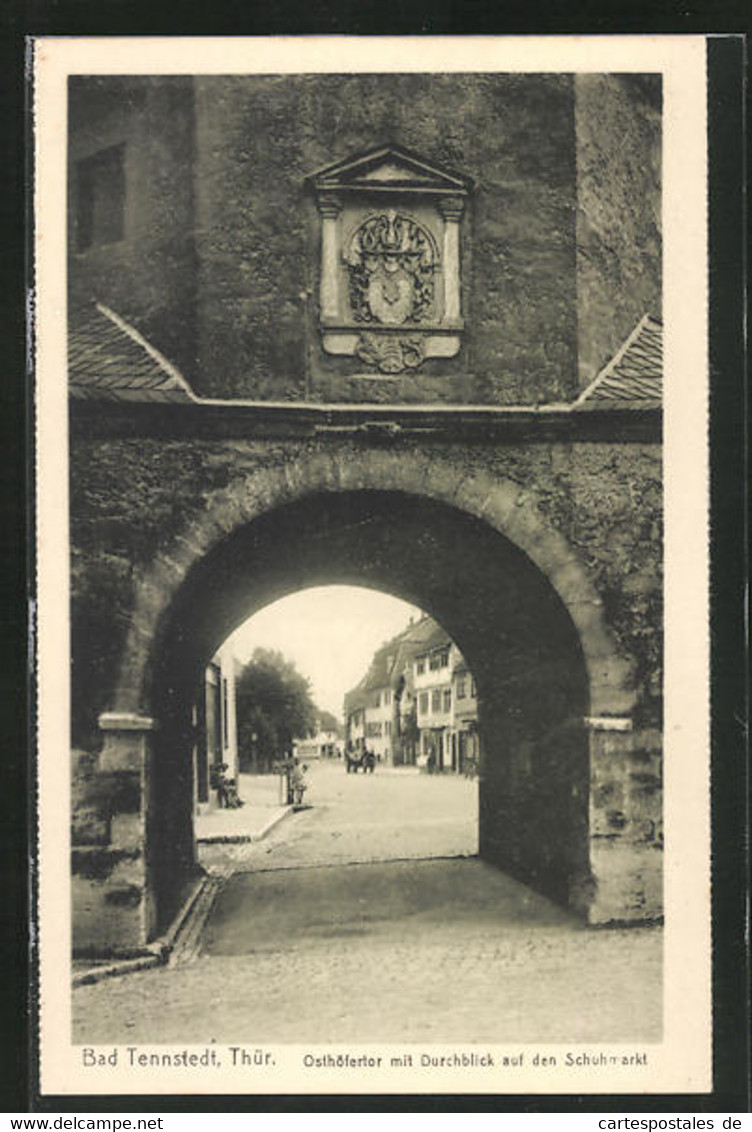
(390, 273)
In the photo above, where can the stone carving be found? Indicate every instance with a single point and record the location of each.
(391, 261)
(389, 285)
(391, 354)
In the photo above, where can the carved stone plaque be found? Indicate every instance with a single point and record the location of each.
(390, 285)
(391, 261)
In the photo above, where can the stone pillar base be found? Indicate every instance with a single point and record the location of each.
(626, 823)
(112, 901)
(628, 884)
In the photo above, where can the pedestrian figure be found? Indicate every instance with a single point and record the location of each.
(219, 783)
(471, 767)
(353, 760)
(233, 801)
(226, 787)
(298, 783)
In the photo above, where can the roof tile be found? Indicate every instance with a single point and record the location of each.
(109, 360)
(634, 376)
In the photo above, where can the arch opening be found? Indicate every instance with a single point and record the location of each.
(503, 613)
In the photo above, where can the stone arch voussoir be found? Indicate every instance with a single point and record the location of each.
(510, 508)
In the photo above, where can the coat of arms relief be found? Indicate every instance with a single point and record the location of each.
(389, 289)
(391, 260)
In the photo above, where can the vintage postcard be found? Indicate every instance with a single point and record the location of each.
(372, 565)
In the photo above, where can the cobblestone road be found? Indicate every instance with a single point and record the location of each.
(388, 815)
(304, 947)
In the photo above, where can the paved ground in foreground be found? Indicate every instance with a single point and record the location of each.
(304, 947)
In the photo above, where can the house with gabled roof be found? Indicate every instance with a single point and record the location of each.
(406, 708)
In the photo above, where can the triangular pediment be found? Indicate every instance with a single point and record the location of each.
(389, 167)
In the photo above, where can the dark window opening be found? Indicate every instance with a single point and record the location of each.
(100, 214)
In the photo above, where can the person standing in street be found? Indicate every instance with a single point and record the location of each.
(298, 783)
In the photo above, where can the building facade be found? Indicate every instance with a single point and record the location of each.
(465, 738)
(427, 714)
(433, 693)
(216, 748)
(323, 744)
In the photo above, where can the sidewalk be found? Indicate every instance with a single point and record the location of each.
(252, 821)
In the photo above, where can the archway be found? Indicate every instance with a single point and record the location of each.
(505, 616)
(468, 546)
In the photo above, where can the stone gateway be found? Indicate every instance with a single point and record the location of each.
(411, 323)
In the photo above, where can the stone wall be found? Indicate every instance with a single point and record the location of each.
(619, 224)
(110, 892)
(258, 138)
(626, 824)
(173, 518)
(128, 500)
(148, 277)
(560, 246)
(133, 498)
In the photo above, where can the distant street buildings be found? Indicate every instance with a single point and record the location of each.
(215, 748)
(417, 703)
(325, 743)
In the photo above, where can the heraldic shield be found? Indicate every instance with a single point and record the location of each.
(389, 288)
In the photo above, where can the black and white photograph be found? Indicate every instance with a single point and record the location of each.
(355, 777)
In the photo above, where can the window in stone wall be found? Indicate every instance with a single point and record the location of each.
(436, 700)
(448, 700)
(100, 198)
(423, 703)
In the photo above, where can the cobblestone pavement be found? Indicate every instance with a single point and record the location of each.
(303, 947)
(387, 815)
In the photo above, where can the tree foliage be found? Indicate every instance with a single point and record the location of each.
(329, 722)
(274, 706)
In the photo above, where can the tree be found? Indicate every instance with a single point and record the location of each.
(329, 722)
(274, 706)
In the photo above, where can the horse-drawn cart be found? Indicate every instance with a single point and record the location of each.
(359, 759)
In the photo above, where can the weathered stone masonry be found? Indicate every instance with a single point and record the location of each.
(560, 243)
(576, 511)
(186, 515)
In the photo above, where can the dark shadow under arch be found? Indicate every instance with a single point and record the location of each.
(504, 614)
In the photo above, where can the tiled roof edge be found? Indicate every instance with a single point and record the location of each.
(605, 373)
(169, 369)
